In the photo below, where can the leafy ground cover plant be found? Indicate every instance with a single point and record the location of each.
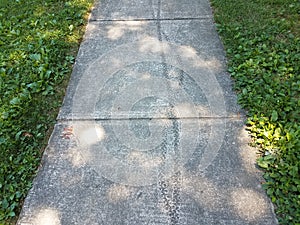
(38, 43)
(262, 42)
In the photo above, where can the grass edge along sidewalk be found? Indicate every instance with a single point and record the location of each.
(262, 42)
(39, 40)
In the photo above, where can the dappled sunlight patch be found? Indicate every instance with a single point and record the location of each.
(204, 111)
(47, 216)
(75, 157)
(92, 27)
(202, 190)
(118, 29)
(188, 51)
(144, 160)
(116, 62)
(189, 54)
(146, 76)
(214, 63)
(164, 122)
(247, 154)
(89, 134)
(40, 10)
(174, 84)
(153, 45)
(118, 193)
(249, 204)
(185, 110)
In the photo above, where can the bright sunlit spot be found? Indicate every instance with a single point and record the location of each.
(118, 29)
(47, 217)
(248, 204)
(150, 44)
(90, 134)
(186, 109)
(118, 193)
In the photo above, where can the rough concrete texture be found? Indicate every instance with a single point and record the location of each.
(150, 131)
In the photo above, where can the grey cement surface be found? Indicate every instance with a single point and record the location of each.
(150, 9)
(184, 45)
(150, 131)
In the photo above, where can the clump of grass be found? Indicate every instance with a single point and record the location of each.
(262, 40)
(38, 43)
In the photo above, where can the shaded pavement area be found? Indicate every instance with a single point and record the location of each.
(150, 131)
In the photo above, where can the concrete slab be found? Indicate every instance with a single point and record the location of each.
(184, 73)
(200, 38)
(101, 38)
(125, 10)
(173, 9)
(150, 10)
(77, 184)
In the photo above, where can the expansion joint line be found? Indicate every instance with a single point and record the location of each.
(237, 118)
(150, 19)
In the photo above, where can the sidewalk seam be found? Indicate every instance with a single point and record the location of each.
(236, 118)
(152, 19)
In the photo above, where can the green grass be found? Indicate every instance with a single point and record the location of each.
(38, 43)
(262, 41)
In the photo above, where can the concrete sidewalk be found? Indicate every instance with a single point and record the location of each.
(150, 131)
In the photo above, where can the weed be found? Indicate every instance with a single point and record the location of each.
(263, 46)
(38, 41)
